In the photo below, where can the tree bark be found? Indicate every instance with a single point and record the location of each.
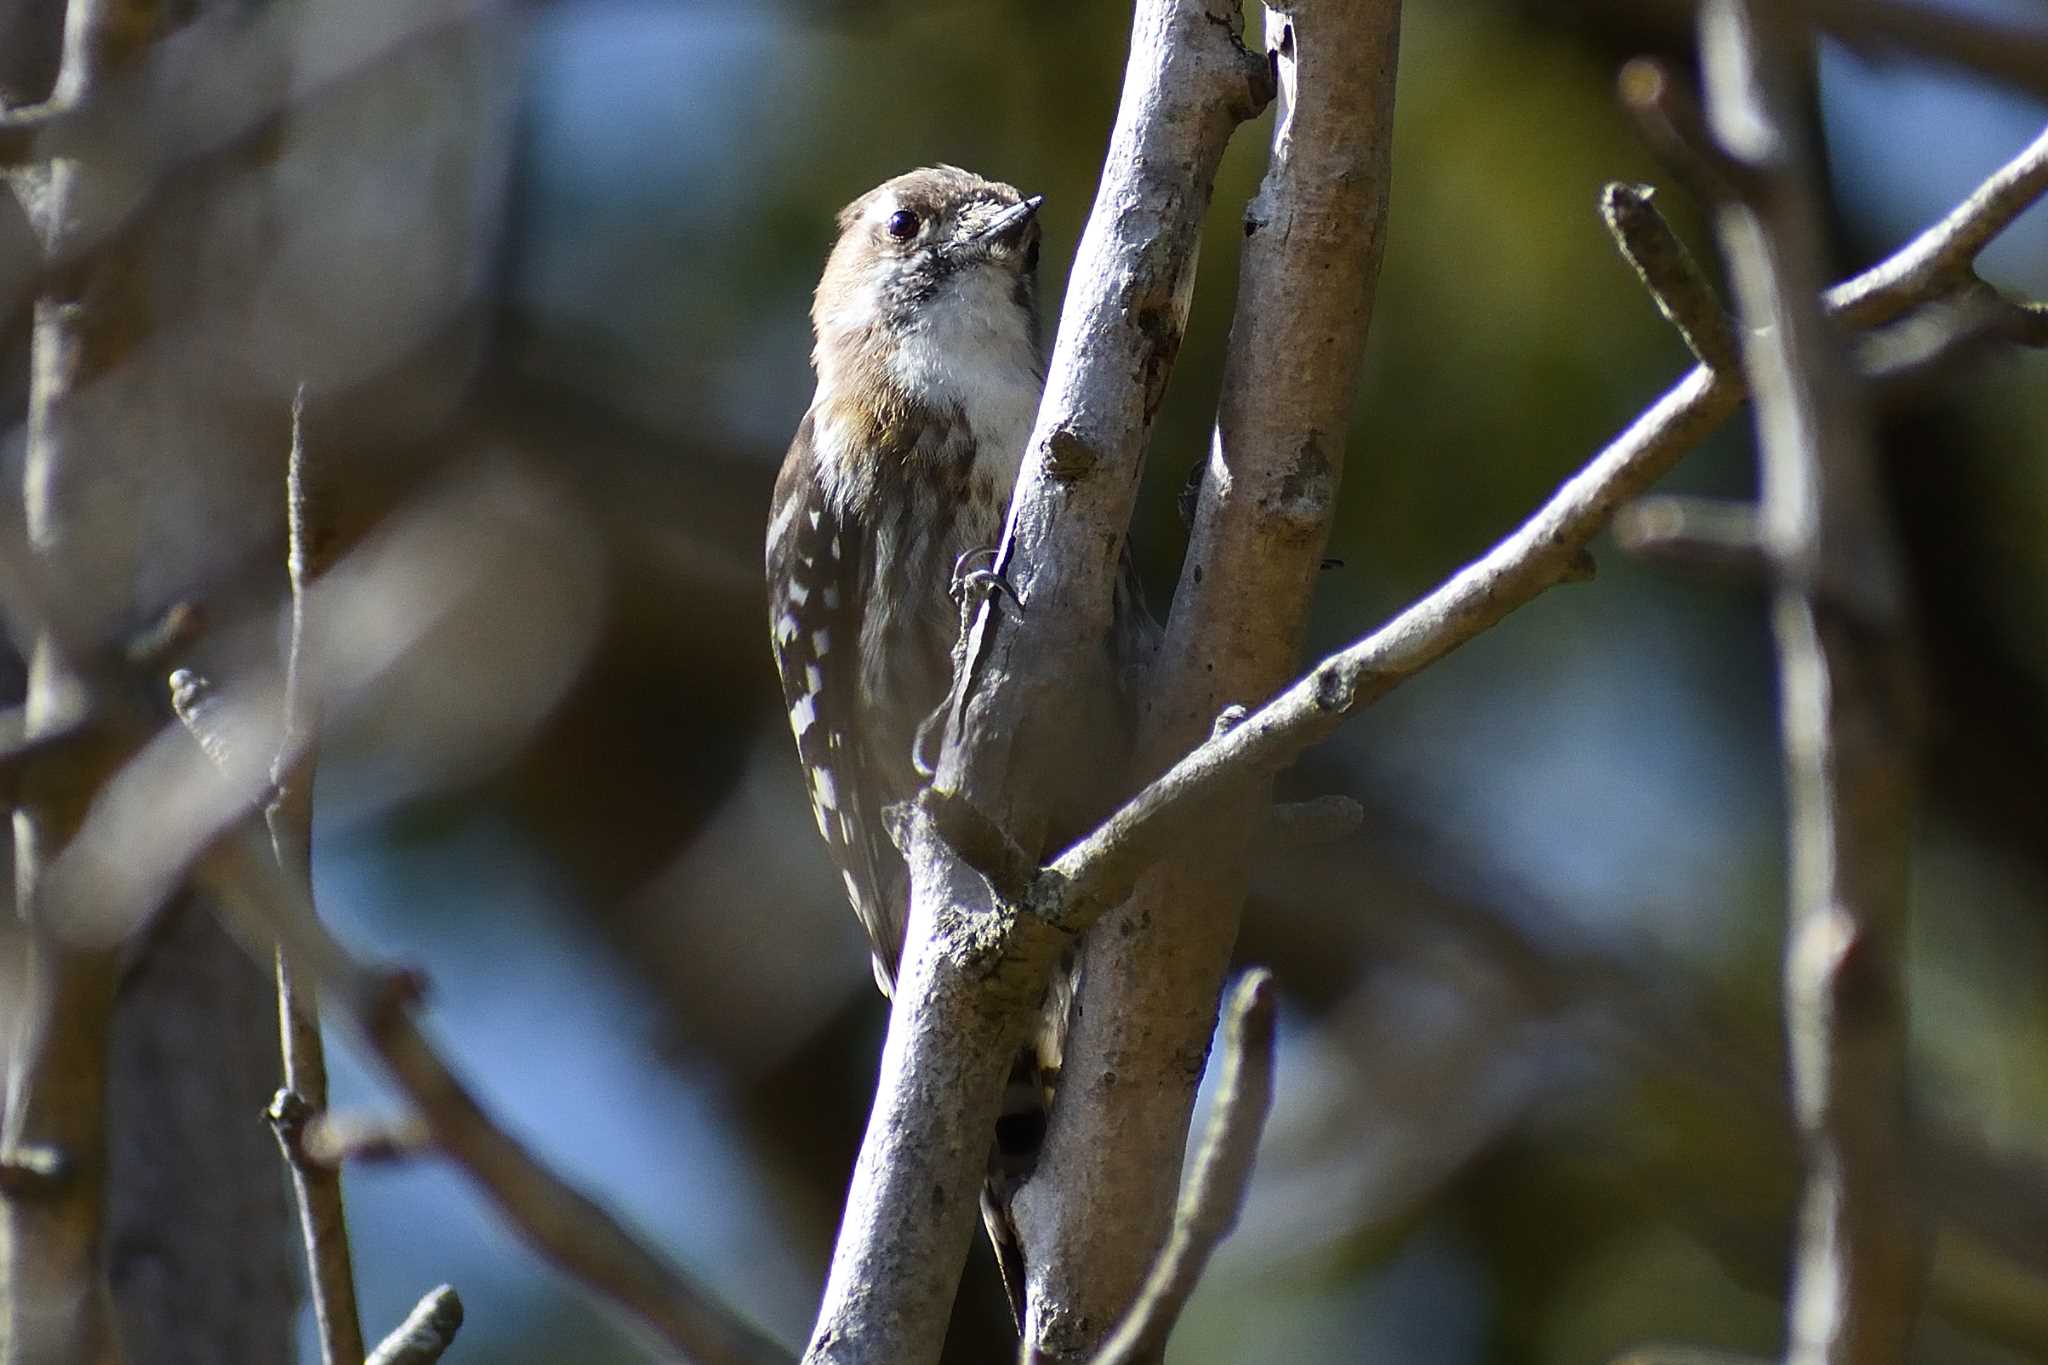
(1099, 1208)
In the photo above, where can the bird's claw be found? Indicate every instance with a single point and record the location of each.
(978, 583)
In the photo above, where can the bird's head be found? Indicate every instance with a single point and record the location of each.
(938, 254)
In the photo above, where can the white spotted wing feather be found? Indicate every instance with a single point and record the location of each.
(815, 591)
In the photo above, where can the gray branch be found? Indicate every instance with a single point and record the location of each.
(289, 814)
(426, 1334)
(1680, 288)
(1099, 869)
(1839, 617)
(55, 1301)
(1093, 1217)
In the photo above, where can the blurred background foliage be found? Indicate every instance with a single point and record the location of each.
(1532, 1100)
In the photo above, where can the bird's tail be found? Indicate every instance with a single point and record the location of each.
(1020, 1133)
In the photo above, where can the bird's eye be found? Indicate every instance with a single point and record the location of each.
(902, 225)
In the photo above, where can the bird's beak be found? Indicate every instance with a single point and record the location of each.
(1007, 228)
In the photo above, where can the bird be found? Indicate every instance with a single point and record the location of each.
(929, 374)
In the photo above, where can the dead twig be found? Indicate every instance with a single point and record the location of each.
(1680, 288)
(289, 816)
(426, 1334)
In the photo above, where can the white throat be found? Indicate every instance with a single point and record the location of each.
(972, 348)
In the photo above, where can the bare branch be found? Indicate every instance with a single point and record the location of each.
(1221, 1175)
(1702, 535)
(1937, 338)
(1102, 1200)
(337, 1139)
(1671, 122)
(426, 1334)
(1683, 293)
(55, 1301)
(23, 132)
(1099, 869)
(1839, 620)
(1939, 258)
(289, 815)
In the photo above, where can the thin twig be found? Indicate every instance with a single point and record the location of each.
(289, 815)
(22, 132)
(1839, 620)
(1941, 258)
(426, 1334)
(1715, 536)
(342, 1139)
(1680, 288)
(1219, 1179)
(1671, 122)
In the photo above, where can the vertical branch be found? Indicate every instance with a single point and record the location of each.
(289, 815)
(974, 972)
(87, 321)
(1103, 1199)
(1838, 614)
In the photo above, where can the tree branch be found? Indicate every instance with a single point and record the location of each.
(289, 815)
(1838, 614)
(973, 972)
(1099, 869)
(1221, 1175)
(426, 1334)
(55, 1303)
(1681, 289)
(1102, 1202)
(1704, 535)
(23, 130)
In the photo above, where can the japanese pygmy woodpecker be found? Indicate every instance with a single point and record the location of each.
(929, 376)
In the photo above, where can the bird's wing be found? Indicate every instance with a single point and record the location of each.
(816, 588)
